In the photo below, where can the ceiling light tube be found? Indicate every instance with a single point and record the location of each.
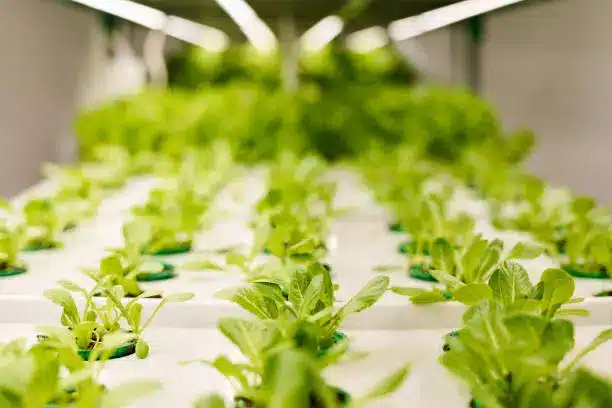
(129, 10)
(256, 31)
(322, 33)
(432, 20)
(209, 38)
(367, 40)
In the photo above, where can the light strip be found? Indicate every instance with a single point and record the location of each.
(367, 40)
(129, 10)
(432, 20)
(257, 32)
(201, 35)
(322, 33)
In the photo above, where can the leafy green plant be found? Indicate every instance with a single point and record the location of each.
(44, 221)
(51, 374)
(11, 241)
(516, 360)
(284, 372)
(465, 272)
(303, 293)
(87, 327)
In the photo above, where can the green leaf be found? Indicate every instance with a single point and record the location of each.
(64, 299)
(251, 337)
(443, 256)
(389, 384)
(250, 299)
(471, 258)
(431, 296)
(300, 280)
(601, 338)
(135, 314)
(179, 297)
(509, 283)
(448, 280)
(557, 340)
(490, 258)
(290, 374)
(137, 232)
(366, 297)
(525, 251)
(471, 294)
(558, 289)
(407, 291)
(311, 297)
(111, 265)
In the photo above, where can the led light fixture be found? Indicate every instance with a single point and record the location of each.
(412, 26)
(201, 35)
(322, 33)
(367, 40)
(129, 10)
(256, 31)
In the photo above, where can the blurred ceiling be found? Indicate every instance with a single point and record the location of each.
(305, 12)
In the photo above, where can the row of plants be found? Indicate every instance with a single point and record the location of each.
(291, 295)
(514, 344)
(41, 221)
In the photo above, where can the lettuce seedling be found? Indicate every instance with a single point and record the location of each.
(309, 297)
(44, 221)
(51, 374)
(516, 360)
(125, 265)
(430, 222)
(76, 193)
(89, 326)
(12, 239)
(465, 271)
(284, 373)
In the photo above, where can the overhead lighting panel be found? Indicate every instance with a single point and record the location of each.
(256, 31)
(367, 40)
(129, 10)
(432, 20)
(322, 33)
(209, 38)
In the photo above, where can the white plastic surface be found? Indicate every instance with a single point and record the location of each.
(362, 242)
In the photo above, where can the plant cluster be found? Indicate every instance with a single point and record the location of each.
(513, 359)
(51, 374)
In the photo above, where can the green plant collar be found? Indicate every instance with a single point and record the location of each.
(418, 271)
(173, 249)
(396, 227)
(39, 246)
(336, 338)
(578, 271)
(164, 274)
(125, 350)
(409, 247)
(11, 272)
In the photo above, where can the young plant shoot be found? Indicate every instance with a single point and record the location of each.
(521, 360)
(87, 328)
(305, 293)
(44, 221)
(11, 241)
(285, 372)
(51, 374)
(465, 272)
